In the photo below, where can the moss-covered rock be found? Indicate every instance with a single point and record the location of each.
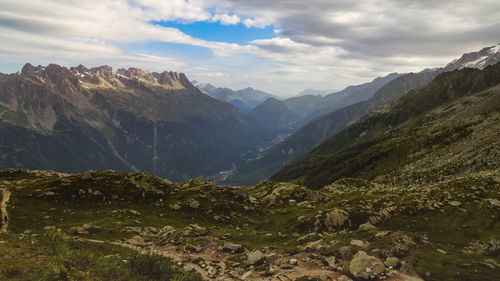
(363, 266)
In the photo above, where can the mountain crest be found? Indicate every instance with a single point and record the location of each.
(481, 59)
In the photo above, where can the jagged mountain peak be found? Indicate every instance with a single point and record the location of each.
(105, 76)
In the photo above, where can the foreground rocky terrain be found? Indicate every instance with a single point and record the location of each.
(350, 229)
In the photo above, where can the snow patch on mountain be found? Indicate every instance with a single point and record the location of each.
(495, 49)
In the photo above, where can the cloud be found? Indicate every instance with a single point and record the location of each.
(226, 19)
(318, 43)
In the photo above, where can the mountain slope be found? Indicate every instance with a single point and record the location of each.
(78, 119)
(446, 128)
(274, 114)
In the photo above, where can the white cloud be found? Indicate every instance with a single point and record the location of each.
(318, 43)
(225, 19)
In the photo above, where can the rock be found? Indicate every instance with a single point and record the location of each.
(199, 180)
(363, 265)
(294, 261)
(347, 252)
(336, 219)
(367, 227)
(331, 261)
(494, 203)
(441, 251)
(391, 261)
(49, 194)
(344, 278)
(176, 207)
(455, 203)
(490, 263)
(246, 275)
(85, 229)
(192, 203)
(134, 212)
(232, 247)
(272, 270)
(358, 243)
(137, 240)
(255, 257)
(292, 202)
(166, 230)
(315, 245)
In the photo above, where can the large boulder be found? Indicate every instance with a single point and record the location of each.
(363, 265)
(336, 219)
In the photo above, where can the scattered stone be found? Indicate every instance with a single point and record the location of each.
(134, 212)
(335, 219)
(331, 261)
(137, 240)
(490, 263)
(381, 233)
(232, 247)
(294, 261)
(346, 252)
(367, 227)
(455, 203)
(292, 202)
(49, 194)
(255, 257)
(344, 278)
(494, 203)
(441, 251)
(391, 261)
(363, 265)
(358, 243)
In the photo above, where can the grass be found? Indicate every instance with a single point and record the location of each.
(50, 257)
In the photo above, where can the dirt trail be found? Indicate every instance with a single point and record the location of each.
(4, 220)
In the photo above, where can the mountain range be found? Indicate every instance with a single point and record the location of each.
(245, 99)
(320, 129)
(410, 140)
(295, 112)
(316, 92)
(76, 119)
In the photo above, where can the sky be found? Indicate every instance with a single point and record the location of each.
(279, 46)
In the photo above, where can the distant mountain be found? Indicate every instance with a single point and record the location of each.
(447, 128)
(481, 59)
(307, 107)
(245, 99)
(77, 119)
(315, 92)
(322, 128)
(274, 113)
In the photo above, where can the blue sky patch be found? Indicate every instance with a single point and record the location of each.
(214, 31)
